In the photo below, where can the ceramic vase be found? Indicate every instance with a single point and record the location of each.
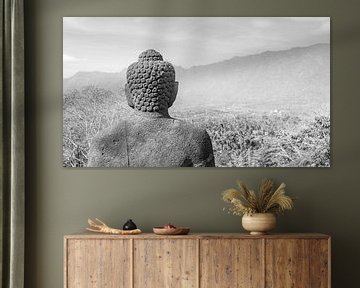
(259, 223)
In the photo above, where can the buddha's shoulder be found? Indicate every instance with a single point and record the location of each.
(185, 125)
(166, 126)
(110, 133)
(189, 129)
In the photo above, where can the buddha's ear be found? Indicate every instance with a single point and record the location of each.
(128, 95)
(175, 91)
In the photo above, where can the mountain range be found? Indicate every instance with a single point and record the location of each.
(298, 78)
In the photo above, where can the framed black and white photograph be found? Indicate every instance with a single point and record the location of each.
(196, 92)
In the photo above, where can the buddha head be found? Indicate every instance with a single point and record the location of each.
(151, 85)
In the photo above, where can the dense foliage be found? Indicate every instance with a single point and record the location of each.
(267, 140)
(85, 113)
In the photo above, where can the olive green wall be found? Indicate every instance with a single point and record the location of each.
(59, 200)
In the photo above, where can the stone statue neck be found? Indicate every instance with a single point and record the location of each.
(152, 115)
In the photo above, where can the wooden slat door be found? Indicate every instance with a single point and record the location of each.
(297, 263)
(170, 263)
(320, 263)
(231, 263)
(287, 263)
(98, 263)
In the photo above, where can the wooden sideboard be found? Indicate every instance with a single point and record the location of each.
(197, 260)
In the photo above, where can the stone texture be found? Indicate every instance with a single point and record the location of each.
(151, 83)
(152, 142)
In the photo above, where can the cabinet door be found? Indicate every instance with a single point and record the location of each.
(231, 263)
(320, 263)
(165, 263)
(287, 263)
(98, 263)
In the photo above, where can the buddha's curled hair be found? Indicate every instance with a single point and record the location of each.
(151, 82)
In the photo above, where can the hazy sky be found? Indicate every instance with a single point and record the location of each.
(110, 44)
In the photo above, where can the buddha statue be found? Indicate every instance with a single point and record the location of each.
(149, 136)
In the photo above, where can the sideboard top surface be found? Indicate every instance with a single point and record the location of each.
(87, 235)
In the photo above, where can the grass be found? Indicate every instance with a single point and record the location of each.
(263, 140)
